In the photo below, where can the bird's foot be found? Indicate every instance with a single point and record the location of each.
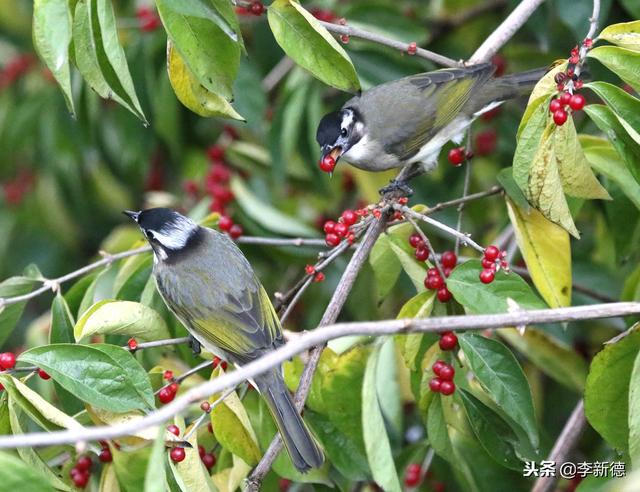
(396, 189)
(196, 348)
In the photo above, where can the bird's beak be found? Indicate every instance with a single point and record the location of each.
(334, 152)
(131, 215)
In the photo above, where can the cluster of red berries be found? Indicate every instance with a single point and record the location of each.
(226, 224)
(434, 280)
(208, 459)
(105, 453)
(558, 106)
(15, 189)
(311, 270)
(492, 261)
(16, 68)
(443, 382)
(336, 231)
(255, 8)
(81, 471)
(413, 475)
(168, 393)
(148, 19)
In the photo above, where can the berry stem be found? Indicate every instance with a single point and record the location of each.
(427, 243)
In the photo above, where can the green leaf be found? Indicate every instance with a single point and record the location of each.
(10, 314)
(232, 427)
(376, 439)
(605, 160)
(505, 178)
(51, 38)
(127, 318)
(494, 434)
(634, 413)
(102, 375)
(110, 55)
(624, 144)
(130, 466)
(547, 252)
(16, 475)
(311, 46)
(267, 216)
(606, 395)
(552, 357)
(210, 11)
(533, 123)
(478, 298)
(623, 104)
(626, 34)
(385, 264)
(437, 430)
(499, 373)
(623, 62)
(61, 321)
(192, 93)
(209, 53)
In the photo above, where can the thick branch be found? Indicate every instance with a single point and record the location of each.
(314, 338)
(505, 31)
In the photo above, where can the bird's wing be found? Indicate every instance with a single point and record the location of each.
(219, 297)
(424, 103)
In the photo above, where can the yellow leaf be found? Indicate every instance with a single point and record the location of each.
(230, 479)
(547, 84)
(626, 34)
(547, 253)
(109, 479)
(193, 94)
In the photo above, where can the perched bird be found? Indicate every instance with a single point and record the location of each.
(404, 123)
(210, 286)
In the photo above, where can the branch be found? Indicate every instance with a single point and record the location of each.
(392, 43)
(330, 315)
(567, 440)
(314, 338)
(505, 31)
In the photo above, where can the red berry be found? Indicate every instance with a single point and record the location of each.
(487, 276)
(434, 384)
(415, 240)
(433, 272)
(444, 295)
(485, 142)
(341, 229)
(43, 374)
(491, 253)
(236, 231)
(284, 484)
(437, 282)
(205, 406)
(224, 365)
(577, 102)
(79, 478)
(177, 454)
(422, 254)
(219, 173)
(555, 105)
(501, 64)
(319, 277)
(447, 271)
(588, 43)
(7, 360)
(173, 387)
(201, 451)
(132, 343)
(257, 8)
(225, 222)
(84, 463)
(449, 259)
(349, 217)
(174, 429)
(344, 38)
(310, 269)
(208, 460)
(332, 239)
(456, 156)
(565, 97)
(437, 366)
(488, 263)
(327, 164)
(165, 395)
(412, 48)
(215, 153)
(447, 372)
(448, 340)
(577, 85)
(414, 469)
(412, 475)
(559, 117)
(447, 387)
(329, 226)
(191, 187)
(105, 456)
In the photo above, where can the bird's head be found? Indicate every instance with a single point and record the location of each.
(167, 231)
(339, 131)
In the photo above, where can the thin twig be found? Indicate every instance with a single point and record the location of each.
(159, 343)
(392, 43)
(469, 198)
(565, 443)
(277, 73)
(465, 190)
(315, 338)
(505, 31)
(330, 315)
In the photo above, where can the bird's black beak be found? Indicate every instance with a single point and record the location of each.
(131, 215)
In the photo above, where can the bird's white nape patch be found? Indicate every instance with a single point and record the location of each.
(175, 234)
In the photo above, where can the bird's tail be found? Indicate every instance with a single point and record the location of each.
(301, 446)
(518, 84)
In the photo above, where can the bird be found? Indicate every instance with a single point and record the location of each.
(405, 123)
(209, 285)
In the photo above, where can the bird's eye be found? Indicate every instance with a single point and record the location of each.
(343, 132)
(149, 233)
